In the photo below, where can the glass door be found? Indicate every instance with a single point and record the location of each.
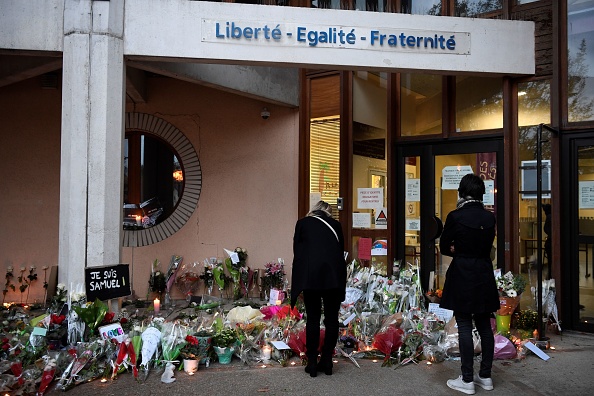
(430, 177)
(582, 282)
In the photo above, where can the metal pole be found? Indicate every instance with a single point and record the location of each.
(541, 327)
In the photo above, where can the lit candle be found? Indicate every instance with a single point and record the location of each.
(266, 352)
(157, 305)
(279, 302)
(535, 334)
(138, 220)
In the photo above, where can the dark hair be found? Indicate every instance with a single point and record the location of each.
(471, 186)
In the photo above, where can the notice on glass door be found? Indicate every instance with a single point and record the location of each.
(489, 196)
(413, 190)
(586, 194)
(451, 176)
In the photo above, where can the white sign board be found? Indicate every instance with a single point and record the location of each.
(361, 220)
(489, 196)
(451, 176)
(413, 224)
(413, 190)
(586, 189)
(370, 198)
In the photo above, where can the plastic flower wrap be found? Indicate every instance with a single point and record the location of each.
(172, 340)
(249, 337)
(243, 315)
(388, 342)
(89, 361)
(151, 337)
(188, 279)
(49, 371)
(297, 341)
(172, 271)
(207, 274)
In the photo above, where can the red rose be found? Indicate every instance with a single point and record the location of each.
(5, 346)
(123, 320)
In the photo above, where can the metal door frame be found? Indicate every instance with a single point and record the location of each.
(427, 152)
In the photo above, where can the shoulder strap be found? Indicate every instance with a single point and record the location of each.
(329, 226)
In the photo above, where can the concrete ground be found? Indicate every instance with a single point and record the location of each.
(569, 371)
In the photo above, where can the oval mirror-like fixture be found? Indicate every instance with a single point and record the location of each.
(181, 173)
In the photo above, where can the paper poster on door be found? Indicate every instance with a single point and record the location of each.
(586, 194)
(370, 198)
(381, 218)
(413, 224)
(361, 220)
(451, 176)
(413, 190)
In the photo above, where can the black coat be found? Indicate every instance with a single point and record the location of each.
(470, 284)
(318, 257)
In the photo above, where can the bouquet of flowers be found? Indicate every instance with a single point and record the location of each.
(172, 271)
(510, 287)
(208, 275)
(274, 275)
(157, 282)
(188, 279)
(241, 274)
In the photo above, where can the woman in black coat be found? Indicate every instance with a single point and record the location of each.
(470, 289)
(319, 271)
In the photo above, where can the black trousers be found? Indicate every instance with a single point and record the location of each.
(313, 309)
(483, 325)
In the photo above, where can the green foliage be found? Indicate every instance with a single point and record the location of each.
(527, 320)
(225, 338)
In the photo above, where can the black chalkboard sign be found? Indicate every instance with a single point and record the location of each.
(110, 281)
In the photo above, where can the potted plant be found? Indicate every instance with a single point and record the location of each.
(205, 343)
(191, 354)
(224, 344)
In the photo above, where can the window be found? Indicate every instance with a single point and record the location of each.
(479, 103)
(421, 98)
(580, 60)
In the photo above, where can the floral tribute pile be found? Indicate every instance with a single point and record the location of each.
(74, 341)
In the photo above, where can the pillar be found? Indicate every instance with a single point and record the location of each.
(92, 137)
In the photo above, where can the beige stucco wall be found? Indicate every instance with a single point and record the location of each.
(249, 172)
(30, 177)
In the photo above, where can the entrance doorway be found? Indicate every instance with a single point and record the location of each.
(579, 280)
(429, 176)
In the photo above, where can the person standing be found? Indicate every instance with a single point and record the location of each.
(470, 289)
(319, 271)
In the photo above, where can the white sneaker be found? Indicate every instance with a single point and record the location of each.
(485, 383)
(459, 385)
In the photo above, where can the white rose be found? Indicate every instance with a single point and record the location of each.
(61, 286)
(512, 293)
(23, 269)
(33, 267)
(44, 267)
(9, 269)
